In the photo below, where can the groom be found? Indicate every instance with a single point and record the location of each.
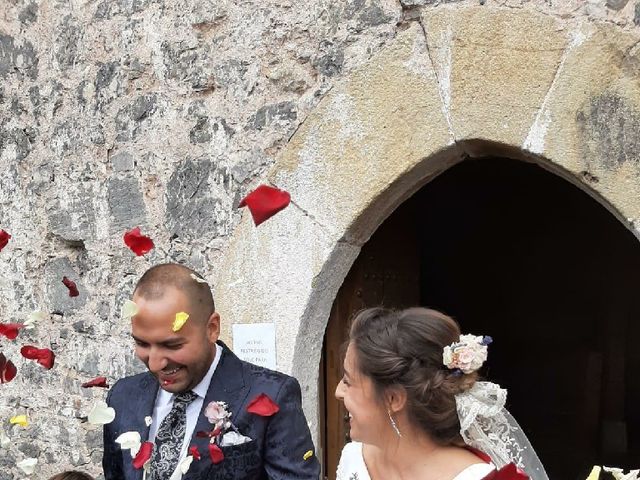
(189, 370)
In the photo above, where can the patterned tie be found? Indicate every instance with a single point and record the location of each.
(170, 437)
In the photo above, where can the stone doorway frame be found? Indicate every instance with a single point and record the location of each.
(457, 81)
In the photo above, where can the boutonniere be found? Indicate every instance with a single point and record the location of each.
(224, 433)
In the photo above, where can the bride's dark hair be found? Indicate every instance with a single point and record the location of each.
(404, 348)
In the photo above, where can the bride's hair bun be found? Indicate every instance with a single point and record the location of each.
(405, 348)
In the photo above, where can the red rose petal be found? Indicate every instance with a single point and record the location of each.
(96, 382)
(194, 452)
(263, 405)
(43, 356)
(215, 453)
(138, 243)
(71, 285)
(143, 455)
(264, 202)
(10, 330)
(4, 239)
(8, 370)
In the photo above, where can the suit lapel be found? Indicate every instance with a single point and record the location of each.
(141, 405)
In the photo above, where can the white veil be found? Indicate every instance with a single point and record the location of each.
(487, 426)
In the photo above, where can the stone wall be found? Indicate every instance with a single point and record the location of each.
(160, 114)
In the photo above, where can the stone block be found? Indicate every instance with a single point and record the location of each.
(126, 204)
(58, 297)
(17, 56)
(72, 215)
(122, 162)
(494, 67)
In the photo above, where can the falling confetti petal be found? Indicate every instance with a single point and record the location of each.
(308, 454)
(35, 317)
(193, 451)
(130, 441)
(264, 202)
(595, 473)
(96, 382)
(71, 285)
(138, 243)
(21, 420)
(198, 279)
(148, 421)
(43, 356)
(215, 453)
(143, 455)
(4, 239)
(129, 309)
(181, 319)
(27, 465)
(263, 405)
(10, 330)
(8, 370)
(101, 414)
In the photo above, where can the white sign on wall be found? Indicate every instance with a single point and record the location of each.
(255, 343)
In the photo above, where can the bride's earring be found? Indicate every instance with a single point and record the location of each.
(393, 423)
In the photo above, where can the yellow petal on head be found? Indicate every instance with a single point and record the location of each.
(181, 319)
(27, 465)
(19, 420)
(595, 473)
(129, 309)
(308, 455)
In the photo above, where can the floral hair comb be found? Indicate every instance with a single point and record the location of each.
(467, 354)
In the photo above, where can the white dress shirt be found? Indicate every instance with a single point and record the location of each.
(164, 403)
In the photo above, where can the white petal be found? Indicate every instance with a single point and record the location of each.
(129, 440)
(27, 465)
(233, 438)
(198, 279)
(129, 309)
(183, 467)
(4, 439)
(148, 421)
(101, 414)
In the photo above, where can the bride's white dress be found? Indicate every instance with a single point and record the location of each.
(352, 466)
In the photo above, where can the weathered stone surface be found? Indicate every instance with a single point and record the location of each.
(17, 56)
(126, 204)
(194, 207)
(512, 71)
(122, 162)
(72, 214)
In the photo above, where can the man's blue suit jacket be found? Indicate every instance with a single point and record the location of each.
(279, 443)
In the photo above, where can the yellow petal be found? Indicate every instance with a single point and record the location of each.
(19, 420)
(308, 455)
(595, 473)
(129, 309)
(181, 319)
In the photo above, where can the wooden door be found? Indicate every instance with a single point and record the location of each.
(386, 273)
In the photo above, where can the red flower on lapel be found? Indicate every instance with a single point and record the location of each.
(508, 472)
(43, 356)
(4, 239)
(137, 242)
(263, 405)
(10, 330)
(194, 452)
(143, 455)
(264, 202)
(71, 285)
(96, 382)
(215, 452)
(8, 370)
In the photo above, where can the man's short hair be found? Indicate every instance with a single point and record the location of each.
(154, 283)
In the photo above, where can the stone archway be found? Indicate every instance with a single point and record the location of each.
(458, 81)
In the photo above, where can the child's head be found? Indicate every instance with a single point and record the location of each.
(72, 475)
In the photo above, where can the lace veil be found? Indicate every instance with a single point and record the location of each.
(485, 424)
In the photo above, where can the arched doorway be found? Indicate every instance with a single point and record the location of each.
(515, 252)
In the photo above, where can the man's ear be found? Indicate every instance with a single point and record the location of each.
(213, 327)
(395, 398)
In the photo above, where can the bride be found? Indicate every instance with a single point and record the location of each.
(415, 408)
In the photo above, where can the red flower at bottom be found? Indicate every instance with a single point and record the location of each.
(215, 453)
(43, 356)
(8, 370)
(143, 456)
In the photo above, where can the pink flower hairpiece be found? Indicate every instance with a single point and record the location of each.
(467, 354)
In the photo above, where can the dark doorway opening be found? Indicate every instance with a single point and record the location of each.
(513, 251)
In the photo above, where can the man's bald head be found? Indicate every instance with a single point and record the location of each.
(155, 282)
